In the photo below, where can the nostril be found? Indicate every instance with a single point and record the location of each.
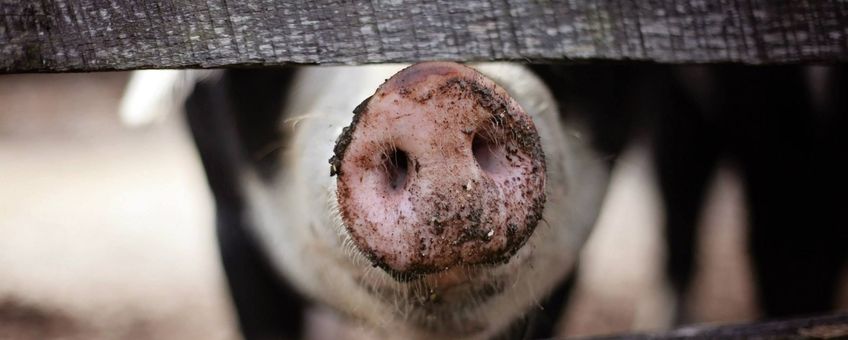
(485, 153)
(396, 164)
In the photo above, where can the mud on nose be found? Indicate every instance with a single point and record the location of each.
(439, 168)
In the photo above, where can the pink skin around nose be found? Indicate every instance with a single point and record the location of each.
(440, 167)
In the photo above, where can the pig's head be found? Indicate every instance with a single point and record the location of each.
(450, 212)
(440, 168)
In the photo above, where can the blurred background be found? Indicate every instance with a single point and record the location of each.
(107, 231)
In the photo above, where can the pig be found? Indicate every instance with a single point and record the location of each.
(268, 140)
(435, 200)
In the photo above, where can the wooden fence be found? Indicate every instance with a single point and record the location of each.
(96, 35)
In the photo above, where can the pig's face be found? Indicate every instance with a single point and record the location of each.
(459, 198)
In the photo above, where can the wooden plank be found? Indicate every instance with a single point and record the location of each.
(93, 35)
(834, 326)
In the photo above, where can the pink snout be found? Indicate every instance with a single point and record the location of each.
(440, 168)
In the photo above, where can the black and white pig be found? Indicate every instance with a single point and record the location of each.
(436, 200)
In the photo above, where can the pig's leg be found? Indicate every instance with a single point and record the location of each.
(233, 122)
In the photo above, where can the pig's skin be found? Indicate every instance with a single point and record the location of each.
(297, 220)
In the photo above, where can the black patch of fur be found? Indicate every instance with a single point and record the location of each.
(228, 128)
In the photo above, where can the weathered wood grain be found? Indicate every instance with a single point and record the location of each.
(89, 35)
(833, 326)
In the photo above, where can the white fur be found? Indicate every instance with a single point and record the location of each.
(298, 223)
(150, 95)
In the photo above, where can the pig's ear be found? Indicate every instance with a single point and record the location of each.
(152, 95)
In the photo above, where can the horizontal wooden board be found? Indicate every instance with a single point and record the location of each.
(93, 35)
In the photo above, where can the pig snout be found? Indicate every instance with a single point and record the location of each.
(439, 168)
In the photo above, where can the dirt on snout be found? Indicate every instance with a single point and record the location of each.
(451, 209)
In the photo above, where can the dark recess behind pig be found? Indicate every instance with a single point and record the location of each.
(781, 127)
